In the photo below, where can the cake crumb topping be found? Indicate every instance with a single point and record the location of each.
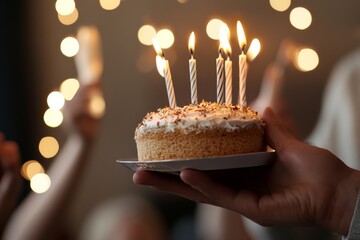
(203, 115)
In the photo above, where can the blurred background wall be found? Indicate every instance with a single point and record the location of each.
(133, 87)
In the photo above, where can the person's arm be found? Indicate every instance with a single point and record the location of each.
(10, 179)
(354, 231)
(271, 90)
(40, 214)
(305, 186)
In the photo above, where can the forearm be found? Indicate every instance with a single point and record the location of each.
(354, 230)
(346, 203)
(39, 213)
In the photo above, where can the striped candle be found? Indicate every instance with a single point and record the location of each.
(242, 79)
(169, 85)
(163, 67)
(220, 80)
(228, 81)
(193, 80)
(192, 70)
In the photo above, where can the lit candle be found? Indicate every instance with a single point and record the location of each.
(192, 69)
(220, 77)
(164, 70)
(88, 60)
(224, 36)
(242, 65)
(254, 49)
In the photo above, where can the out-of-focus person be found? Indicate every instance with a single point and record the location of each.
(127, 217)
(41, 216)
(216, 223)
(270, 94)
(337, 128)
(10, 179)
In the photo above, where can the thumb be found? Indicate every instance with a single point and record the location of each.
(276, 135)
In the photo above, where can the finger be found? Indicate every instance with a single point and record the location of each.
(276, 135)
(243, 201)
(169, 183)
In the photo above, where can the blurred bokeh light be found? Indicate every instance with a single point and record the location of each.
(254, 49)
(109, 4)
(65, 7)
(307, 60)
(53, 117)
(97, 104)
(69, 19)
(48, 147)
(213, 28)
(146, 34)
(165, 38)
(300, 18)
(40, 183)
(31, 168)
(280, 5)
(69, 87)
(160, 65)
(69, 46)
(55, 100)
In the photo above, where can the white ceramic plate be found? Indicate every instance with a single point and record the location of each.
(211, 163)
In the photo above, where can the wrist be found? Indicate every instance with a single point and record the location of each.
(347, 195)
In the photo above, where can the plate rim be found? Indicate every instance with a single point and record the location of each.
(246, 160)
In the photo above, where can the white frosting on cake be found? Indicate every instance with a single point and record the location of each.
(195, 118)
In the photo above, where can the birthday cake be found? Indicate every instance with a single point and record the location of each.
(196, 131)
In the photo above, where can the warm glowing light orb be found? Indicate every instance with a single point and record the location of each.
(182, 1)
(48, 147)
(55, 100)
(307, 60)
(53, 117)
(65, 7)
(300, 18)
(31, 168)
(254, 49)
(165, 38)
(69, 46)
(146, 34)
(160, 65)
(224, 39)
(40, 183)
(213, 28)
(69, 87)
(69, 19)
(109, 4)
(97, 104)
(280, 5)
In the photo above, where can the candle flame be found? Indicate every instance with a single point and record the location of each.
(160, 64)
(241, 35)
(254, 49)
(224, 39)
(157, 48)
(192, 43)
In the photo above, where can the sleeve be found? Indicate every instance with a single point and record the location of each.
(354, 230)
